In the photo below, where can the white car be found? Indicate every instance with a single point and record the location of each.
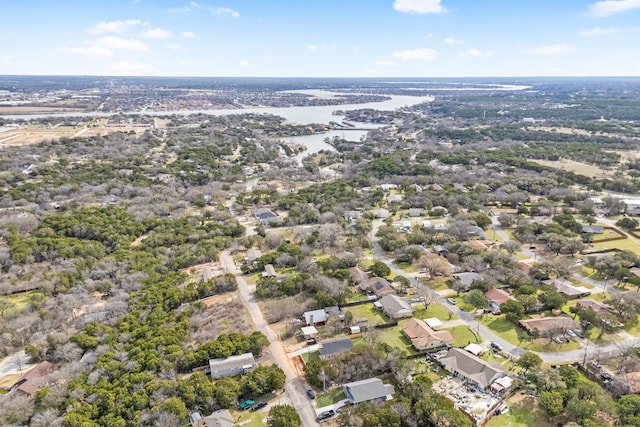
(571, 333)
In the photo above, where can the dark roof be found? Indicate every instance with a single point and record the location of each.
(594, 229)
(472, 367)
(336, 346)
(366, 390)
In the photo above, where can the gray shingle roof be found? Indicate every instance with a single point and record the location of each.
(472, 367)
(366, 390)
(340, 345)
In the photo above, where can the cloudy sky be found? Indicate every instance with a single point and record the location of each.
(321, 38)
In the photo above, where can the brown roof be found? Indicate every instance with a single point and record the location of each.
(498, 296)
(545, 324)
(422, 336)
(357, 276)
(30, 382)
(378, 285)
(594, 305)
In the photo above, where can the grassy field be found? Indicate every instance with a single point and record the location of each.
(19, 301)
(367, 311)
(331, 397)
(395, 338)
(435, 310)
(250, 418)
(438, 284)
(625, 244)
(519, 337)
(523, 412)
(462, 336)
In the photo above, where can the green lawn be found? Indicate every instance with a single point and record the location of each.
(368, 311)
(438, 284)
(331, 397)
(462, 336)
(250, 418)
(407, 267)
(19, 301)
(312, 355)
(517, 336)
(524, 413)
(395, 338)
(435, 310)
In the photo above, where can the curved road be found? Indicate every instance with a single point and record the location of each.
(295, 386)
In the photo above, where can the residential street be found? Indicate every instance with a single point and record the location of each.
(488, 334)
(295, 386)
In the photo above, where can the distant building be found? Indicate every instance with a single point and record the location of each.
(220, 418)
(593, 229)
(416, 212)
(34, 379)
(497, 297)
(369, 390)
(265, 216)
(330, 349)
(396, 307)
(466, 279)
(471, 368)
(549, 325)
(378, 286)
(422, 337)
(566, 288)
(232, 365)
(315, 317)
(269, 271)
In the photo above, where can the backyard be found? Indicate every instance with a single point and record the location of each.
(523, 412)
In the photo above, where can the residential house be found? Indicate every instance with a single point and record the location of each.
(232, 365)
(475, 349)
(394, 198)
(395, 307)
(378, 286)
(220, 418)
(496, 298)
(357, 276)
(330, 349)
(252, 255)
(372, 389)
(265, 216)
(546, 326)
(309, 332)
(351, 215)
(416, 212)
(315, 317)
(269, 271)
(593, 229)
(381, 213)
(567, 288)
(34, 379)
(594, 305)
(422, 337)
(465, 279)
(471, 368)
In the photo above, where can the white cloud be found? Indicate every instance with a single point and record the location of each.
(605, 8)
(554, 49)
(188, 35)
(244, 63)
(419, 6)
(92, 52)
(424, 54)
(117, 27)
(174, 46)
(112, 42)
(312, 47)
(225, 11)
(179, 10)
(384, 63)
(156, 34)
(597, 31)
(129, 68)
(475, 53)
(222, 11)
(451, 40)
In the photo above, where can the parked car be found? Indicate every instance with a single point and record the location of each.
(258, 405)
(496, 346)
(451, 301)
(246, 404)
(571, 333)
(326, 415)
(311, 394)
(579, 333)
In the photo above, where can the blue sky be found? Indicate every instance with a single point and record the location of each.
(321, 38)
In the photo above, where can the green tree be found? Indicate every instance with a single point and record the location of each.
(627, 223)
(581, 409)
(629, 409)
(552, 402)
(283, 416)
(529, 360)
(380, 269)
(476, 299)
(513, 310)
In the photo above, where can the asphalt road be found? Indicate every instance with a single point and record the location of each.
(295, 386)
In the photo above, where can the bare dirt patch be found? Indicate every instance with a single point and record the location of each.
(577, 167)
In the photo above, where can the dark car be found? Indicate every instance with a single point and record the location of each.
(258, 405)
(326, 415)
(311, 394)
